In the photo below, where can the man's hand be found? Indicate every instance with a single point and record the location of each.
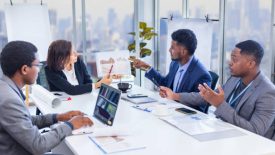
(140, 64)
(168, 93)
(211, 96)
(68, 115)
(80, 121)
(107, 79)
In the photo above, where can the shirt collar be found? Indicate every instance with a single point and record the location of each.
(185, 66)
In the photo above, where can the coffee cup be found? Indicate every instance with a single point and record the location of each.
(124, 86)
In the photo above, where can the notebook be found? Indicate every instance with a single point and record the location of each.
(139, 100)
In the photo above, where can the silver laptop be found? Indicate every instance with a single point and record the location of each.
(105, 109)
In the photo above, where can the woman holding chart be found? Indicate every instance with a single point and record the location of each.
(66, 72)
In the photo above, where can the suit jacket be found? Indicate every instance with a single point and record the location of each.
(254, 112)
(196, 74)
(19, 131)
(58, 81)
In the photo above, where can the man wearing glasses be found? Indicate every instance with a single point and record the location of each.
(19, 131)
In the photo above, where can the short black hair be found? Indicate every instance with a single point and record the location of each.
(15, 55)
(186, 38)
(251, 47)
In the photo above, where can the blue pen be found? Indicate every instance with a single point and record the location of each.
(138, 107)
(155, 82)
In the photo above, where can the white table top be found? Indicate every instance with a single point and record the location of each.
(159, 137)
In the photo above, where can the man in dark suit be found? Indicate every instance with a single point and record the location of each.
(246, 99)
(186, 71)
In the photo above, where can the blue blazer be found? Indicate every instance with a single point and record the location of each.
(58, 81)
(196, 74)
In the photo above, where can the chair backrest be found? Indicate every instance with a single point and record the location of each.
(42, 79)
(215, 78)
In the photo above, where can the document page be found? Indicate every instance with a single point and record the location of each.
(117, 143)
(199, 126)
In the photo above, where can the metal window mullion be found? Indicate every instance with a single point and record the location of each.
(185, 8)
(83, 14)
(136, 28)
(271, 41)
(157, 38)
(222, 40)
(74, 23)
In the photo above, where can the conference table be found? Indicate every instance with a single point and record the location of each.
(158, 136)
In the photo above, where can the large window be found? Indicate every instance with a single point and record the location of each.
(200, 9)
(3, 30)
(168, 8)
(245, 22)
(108, 24)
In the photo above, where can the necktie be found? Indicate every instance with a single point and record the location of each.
(178, 80)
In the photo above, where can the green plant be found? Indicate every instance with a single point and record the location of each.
(145, 33)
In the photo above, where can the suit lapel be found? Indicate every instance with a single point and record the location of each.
(188, 73)
(249, 91)
(228, 87)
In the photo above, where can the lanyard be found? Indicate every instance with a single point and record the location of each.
(231, 100)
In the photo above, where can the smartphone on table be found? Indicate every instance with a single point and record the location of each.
(136, 95)
(185, 111)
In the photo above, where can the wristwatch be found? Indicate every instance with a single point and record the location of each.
(145, 68)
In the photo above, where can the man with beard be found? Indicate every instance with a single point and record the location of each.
(186, 71)
(246, 99)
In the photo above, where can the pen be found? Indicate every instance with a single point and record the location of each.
(111, 69)
(155, 82)
(143, 109)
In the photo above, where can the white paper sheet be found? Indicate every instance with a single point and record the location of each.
(119, 60)
(200, 127)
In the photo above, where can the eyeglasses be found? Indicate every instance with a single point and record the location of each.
(39, 65)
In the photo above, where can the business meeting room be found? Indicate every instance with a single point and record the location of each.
(137, 77)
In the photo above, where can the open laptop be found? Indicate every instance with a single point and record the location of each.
(105, 109)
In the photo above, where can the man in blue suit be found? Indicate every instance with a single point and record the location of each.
(186, 71)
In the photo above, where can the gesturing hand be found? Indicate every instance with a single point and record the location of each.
(211, 96)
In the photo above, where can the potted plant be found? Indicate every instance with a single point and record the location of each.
(145, 34)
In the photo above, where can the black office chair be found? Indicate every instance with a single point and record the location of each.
(215, 78)
(42, 80)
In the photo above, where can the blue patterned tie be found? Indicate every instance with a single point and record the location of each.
(179, 79)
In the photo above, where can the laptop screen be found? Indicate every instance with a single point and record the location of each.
(106, 104)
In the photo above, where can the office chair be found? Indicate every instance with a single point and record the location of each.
(215, 78)
(42, 80)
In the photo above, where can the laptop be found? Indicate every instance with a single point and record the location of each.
(105, 109)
